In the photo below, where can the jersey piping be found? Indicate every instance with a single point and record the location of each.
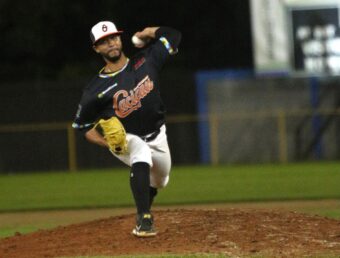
(108, 75)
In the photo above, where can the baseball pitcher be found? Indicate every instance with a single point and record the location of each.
(121, 109)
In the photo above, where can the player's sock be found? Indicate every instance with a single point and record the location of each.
(139, 183)
(153, 193)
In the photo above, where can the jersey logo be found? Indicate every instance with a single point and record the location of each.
(139, 63)
(125, 102)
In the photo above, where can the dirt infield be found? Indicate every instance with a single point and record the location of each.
(234, 232)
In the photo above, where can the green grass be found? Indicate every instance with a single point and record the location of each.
(188, 185)
(200, 184)
(254, 183)
(63, 190)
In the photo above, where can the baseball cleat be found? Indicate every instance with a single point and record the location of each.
(144, 226)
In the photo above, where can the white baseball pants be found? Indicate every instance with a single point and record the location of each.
(156, 153)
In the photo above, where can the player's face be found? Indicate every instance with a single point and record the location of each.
(109, 47)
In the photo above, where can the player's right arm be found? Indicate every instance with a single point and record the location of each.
(147, 34)
(166, 42)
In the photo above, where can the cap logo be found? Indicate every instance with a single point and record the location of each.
(102, 29)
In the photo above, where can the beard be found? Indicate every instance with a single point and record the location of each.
(114, 58)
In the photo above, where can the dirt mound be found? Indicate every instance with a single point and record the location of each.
(234, 232)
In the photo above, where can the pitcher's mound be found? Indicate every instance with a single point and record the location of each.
(234, 232)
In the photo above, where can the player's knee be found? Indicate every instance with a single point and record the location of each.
(160, 182)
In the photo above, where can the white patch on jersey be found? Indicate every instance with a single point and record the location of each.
(100, 95)
(78, 126)
(78, 111)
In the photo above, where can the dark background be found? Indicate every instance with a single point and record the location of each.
(50, 38)
(46, 58)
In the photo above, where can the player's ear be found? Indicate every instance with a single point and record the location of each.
(95, 48)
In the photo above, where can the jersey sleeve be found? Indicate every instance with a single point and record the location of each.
(86, 114)
(166, 44)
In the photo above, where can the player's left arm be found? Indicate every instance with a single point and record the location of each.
(95, 137)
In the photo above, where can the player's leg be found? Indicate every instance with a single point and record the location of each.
(139, 158)
(159, 174)
(138, 151)
(161, 159)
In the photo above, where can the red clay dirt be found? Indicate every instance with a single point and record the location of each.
(234, 232)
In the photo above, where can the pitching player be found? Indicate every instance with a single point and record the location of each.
(128, 89)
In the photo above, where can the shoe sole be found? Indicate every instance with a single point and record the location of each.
(144, 233)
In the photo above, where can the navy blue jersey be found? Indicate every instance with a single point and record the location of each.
(132, 93)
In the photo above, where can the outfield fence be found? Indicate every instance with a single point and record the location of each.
(48, 127)
(259, 136)
(272, 136)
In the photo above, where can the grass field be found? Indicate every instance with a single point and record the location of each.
(200, 184)
(188, 185)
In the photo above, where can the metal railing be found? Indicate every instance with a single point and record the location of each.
(280, 116)
(43, 127)
(213, 120)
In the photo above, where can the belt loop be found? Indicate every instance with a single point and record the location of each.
(151, 136)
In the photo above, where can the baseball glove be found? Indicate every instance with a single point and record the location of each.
(114, 134)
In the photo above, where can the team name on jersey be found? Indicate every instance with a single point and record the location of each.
(125, 102)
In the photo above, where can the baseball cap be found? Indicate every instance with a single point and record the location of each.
(103, 29)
